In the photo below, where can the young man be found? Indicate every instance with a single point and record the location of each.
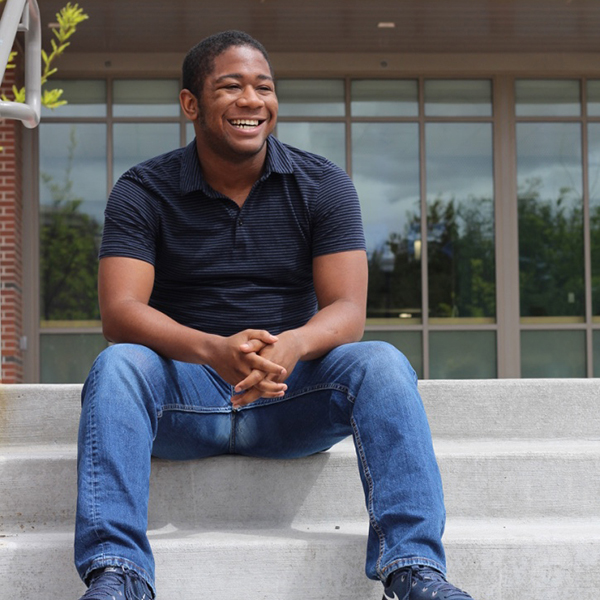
(233, 281)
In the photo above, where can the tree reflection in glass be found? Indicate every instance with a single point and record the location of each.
(594, 189)
(460, 221)
(550, 219)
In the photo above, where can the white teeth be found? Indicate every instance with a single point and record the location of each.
(244, 122)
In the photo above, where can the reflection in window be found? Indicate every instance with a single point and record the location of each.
(596, 351)
(553, 354)
(460, 220)
(85, 98)
(135, 142)
(410, 343)
(384, 98)
(311, 97)
(385, 169)
(593, 98)
(68, 357)
(72, 199)
(550, 202)
(547, 98)
(326, 139)
(594, 191)
(475, 360)
(146, 98)
(458, 98)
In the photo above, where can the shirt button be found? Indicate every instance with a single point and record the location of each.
(240, 222)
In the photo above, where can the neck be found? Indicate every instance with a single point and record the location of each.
(233, 177)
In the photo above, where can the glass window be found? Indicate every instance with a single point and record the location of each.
(326, 139)
(68, 357)
(135, 142)
(553, 354)
(593, 98)
(550, 203)
(385, 168)
(594, 191)
(458, 98)
(596, 350)
(72, 199)
(384, 98)
(311, 97)
(85, 98)
(146, 98)
(190, 134)
(460, 220)
(410, 343)
(547, 98)
(462, 355)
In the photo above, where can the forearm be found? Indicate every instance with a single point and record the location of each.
(339, 323)
(137, 323)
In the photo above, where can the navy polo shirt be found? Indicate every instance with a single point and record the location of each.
(220, 268)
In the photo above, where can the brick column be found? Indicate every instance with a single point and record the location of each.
(11, 271)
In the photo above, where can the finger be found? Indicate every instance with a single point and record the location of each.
(252, 395)
(261, 381)
(250, 381)
(245, 398)
(264, 364)
(254, 345)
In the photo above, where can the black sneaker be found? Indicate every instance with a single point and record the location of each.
(421, 583)
(116, 584)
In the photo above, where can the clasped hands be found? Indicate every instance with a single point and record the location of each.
(257, 364)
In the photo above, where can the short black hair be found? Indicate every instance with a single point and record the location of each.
(200, 60)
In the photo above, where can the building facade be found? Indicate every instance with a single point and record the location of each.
(471, 131)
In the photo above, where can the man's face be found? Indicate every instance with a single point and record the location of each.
(237, 106)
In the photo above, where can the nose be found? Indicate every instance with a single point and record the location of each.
(250, 98)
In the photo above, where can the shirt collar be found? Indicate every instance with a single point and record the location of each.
(191, 180)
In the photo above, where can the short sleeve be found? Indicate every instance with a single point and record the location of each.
(337, 220)
(131, 221)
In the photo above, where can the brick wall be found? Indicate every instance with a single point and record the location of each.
(11, 273)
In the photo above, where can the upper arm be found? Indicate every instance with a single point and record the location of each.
(122, 280)
(341, 276)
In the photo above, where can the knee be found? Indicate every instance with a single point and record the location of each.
(385, 359)
(126, 361)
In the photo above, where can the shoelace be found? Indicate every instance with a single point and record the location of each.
(437, 585)
(108, 584)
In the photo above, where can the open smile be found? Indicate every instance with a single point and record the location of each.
(246, 124)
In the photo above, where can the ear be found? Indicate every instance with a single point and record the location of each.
(189, 104)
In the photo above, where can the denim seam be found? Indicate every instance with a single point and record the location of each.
(194, 409)
(92, 463)
(308, 390)
(116, 561)
(367, 472)
(232, 434)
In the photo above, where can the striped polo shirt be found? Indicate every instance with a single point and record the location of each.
(220, 268)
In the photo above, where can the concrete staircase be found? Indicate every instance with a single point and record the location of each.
(521, 466)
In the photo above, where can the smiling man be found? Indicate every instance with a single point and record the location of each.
(233, 279)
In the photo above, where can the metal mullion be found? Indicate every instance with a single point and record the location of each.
(587, 237)
(348, 124)
(506, 230)
(554, 326)
(311, 119)
(424, 245)
(109, 134)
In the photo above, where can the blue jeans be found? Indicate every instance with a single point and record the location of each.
(137, 404)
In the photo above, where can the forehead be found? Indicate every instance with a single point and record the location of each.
(240, 60)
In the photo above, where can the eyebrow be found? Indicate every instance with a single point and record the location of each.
(240, 76)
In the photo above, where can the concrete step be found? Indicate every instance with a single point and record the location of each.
(482, 478)
(496, 559)
(514, 408)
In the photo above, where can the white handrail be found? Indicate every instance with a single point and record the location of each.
(23, 15)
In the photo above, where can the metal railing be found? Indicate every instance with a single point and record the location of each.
(23, 15)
